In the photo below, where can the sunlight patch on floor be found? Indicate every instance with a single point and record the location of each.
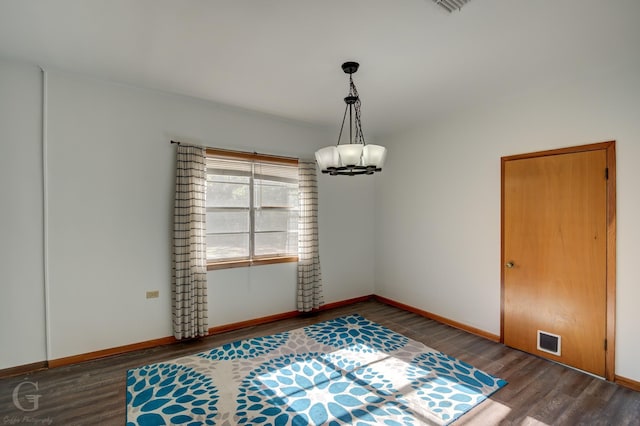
(489, 412)
(530, 421)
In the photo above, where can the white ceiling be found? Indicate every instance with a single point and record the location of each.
(283, 57)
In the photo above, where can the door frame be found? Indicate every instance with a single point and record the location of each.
(610, 148)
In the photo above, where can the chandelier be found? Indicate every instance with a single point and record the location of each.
(355, 157)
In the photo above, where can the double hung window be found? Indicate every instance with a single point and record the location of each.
(252, 209)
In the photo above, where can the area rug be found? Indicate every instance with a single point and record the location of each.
(345, 371)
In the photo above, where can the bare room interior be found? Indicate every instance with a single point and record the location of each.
(474, 105)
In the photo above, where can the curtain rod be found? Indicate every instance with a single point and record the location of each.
(241, 154)
(186, 144)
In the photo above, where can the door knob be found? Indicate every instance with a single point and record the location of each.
(510, 265)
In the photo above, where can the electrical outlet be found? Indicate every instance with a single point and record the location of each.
(153, 294)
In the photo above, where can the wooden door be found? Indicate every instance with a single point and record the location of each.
(555, 242)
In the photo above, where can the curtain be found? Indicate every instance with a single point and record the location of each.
(309, 278)
(189, 278)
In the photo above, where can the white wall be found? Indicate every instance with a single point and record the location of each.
(110, 179)
(22, 338)
(438, 206)
(347, 235)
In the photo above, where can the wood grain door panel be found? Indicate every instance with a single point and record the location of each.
(555, 234)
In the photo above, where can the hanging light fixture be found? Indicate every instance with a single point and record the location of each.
(355, 157)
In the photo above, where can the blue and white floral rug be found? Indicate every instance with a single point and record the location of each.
(345, 371)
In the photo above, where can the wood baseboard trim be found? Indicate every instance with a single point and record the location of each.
(90, 356)
(627, 383)
(447, 321)
(36, 366)
(346, 302)
(285, 315)
(169, 340)
(42, 365)
(23, 369)
(252, 322)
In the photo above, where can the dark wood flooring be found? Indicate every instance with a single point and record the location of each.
(539, 392)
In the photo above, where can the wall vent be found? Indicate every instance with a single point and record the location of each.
(549, 342)
(451, 5)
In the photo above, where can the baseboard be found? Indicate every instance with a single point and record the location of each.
(285, 315)
(346, 302)
(252, 322)
(23, 369)
(627, 383)
(452, 323)
(36, 366)
(90, 356)
(42, 365)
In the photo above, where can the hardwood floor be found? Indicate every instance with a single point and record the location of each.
(539, 392)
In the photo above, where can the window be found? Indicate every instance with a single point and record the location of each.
(252, 209)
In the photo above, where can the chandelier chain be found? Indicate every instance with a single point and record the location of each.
(346, 108)
(354, 92)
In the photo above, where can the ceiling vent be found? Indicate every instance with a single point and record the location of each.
(451, 5)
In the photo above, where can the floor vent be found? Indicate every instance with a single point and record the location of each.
(549, 342)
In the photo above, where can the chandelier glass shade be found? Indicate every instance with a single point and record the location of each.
(356, 157)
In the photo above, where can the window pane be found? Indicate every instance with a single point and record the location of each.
(227, 221)
(275, 220)
(227, 194)
(277, 172)
(275, 194)
(276, 243)
(232, 211)
(227, 246)
(292, 242)
(224, 177)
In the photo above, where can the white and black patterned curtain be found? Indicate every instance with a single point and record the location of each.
(309, 277)
(189, 280)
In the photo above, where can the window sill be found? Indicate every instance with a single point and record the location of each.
(244, 263)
